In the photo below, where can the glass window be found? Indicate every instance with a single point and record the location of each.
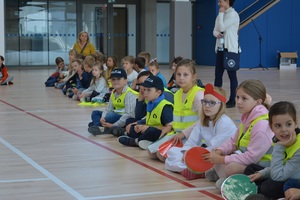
(163, 32)
(62, 29)
(33, 31)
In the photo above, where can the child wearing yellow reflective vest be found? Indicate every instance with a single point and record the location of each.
(251, 143)
(212, 130)
(158, 118)
(187, 106)
(285, 157)
(120, 107)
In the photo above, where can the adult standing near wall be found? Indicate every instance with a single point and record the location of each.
(83, 45)
(226, 31)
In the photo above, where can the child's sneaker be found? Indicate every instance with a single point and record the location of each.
(117, 131)
(211, 175)
(186, 173)
(219, 183)
(127, 141)
(144, 144)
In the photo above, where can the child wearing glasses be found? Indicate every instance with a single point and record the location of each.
(252, 141)
(213, 129)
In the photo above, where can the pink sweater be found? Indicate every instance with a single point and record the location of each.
(260, 142)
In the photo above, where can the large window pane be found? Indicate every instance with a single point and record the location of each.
(62, 29)
(163, 32)
(33, 31)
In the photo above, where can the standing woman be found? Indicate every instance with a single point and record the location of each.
(226, 31)
(83, 45)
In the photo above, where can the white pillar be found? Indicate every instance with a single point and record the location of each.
(2, 29)
(181, 29)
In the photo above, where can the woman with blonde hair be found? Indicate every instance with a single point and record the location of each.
(83, 45)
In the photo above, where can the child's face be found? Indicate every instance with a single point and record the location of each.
(71, 57)
(87, 68)
(284, 127)
(110, 63)
(127, 65)
(153, 69)
(136, 67)
(245, 102)
(61, 65)
(140, 81)
(184, 77)
(173, 67)
(96, 71)
(118, 83)
(151, 94)
(1, 61)
(211, 110)
(76, 66)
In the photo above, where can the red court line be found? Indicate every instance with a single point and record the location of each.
(116, 152)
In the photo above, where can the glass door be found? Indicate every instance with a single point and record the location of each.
(111, 27)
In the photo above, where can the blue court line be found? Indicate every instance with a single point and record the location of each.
(149, 193)
(42, 170)
(24, 180)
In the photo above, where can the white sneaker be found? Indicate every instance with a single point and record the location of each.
(143, 144)
(219, 183)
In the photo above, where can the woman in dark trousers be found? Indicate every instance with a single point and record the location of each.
(226, 31)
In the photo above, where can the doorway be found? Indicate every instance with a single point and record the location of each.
(111, 27)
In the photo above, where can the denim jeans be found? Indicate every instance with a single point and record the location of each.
(291, 183)
(110, 117)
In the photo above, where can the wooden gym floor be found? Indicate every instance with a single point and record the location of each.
(47, 153)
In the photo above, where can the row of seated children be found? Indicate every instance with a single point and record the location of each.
(190, 93)
(251, 95)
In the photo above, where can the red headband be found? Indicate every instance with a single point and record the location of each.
(209, 89)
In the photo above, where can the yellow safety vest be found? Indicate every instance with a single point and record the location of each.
(183, 114)
(119, 102)
(289, 153)
(154, 118)
(244, 140)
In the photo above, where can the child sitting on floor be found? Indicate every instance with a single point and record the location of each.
(5, 79)
(213, 128)
(58, 75)
(98, 87)
(120, 107)
(158, 119)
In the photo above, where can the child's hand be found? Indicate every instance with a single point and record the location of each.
(102, 120)
(256, 176)
(75, 90)
(214, 157)
(177, 138)
(292, 194)
(140, 128)
(128, 127)
(289, 142)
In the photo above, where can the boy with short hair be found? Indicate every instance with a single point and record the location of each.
(158, 119)
(121, 105)
(139, 64)
(147, 57)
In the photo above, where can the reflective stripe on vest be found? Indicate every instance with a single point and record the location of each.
(119, 102)
(244, 140)
(183, 114)
(154, 118)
